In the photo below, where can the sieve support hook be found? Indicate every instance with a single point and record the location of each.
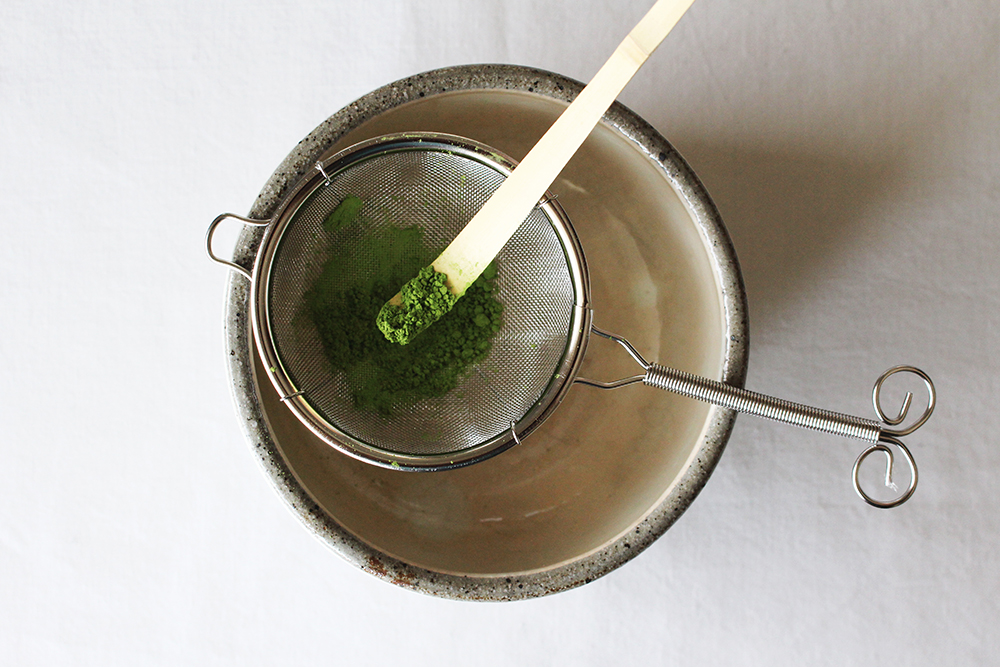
(211, 232)
(326, 177)
(882, 435)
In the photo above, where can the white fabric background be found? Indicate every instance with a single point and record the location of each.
(850, 145)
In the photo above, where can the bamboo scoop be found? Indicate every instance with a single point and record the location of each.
(431, 294)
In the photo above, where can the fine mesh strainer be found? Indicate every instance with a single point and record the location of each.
(439, 182)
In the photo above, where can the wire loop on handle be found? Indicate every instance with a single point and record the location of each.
(727, 396)
(896, 421)
(881, 446)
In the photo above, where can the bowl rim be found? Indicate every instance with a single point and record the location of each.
(240, 344)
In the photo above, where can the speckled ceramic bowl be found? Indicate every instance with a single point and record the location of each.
(610, 471)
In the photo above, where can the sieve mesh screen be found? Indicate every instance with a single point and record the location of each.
(438, 190)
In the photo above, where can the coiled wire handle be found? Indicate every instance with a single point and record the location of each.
(877, 433)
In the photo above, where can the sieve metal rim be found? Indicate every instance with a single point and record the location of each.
(293, 396)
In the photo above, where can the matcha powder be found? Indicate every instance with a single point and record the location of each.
(345, 301)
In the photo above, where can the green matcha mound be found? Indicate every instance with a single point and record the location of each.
(426, 299)
(346, 300)
(344, 214)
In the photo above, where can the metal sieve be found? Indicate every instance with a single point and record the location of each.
(439, 182)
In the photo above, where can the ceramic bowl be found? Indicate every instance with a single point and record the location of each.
(610, 471)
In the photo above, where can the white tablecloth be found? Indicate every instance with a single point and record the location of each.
(852, 150)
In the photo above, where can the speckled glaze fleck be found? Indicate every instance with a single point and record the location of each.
(241, 347)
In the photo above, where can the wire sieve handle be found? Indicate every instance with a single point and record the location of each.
(878, 434)
(211, 233)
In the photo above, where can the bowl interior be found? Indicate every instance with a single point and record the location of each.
(605, 459)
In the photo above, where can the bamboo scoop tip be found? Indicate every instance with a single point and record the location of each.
(420, 303)
(425, 299)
